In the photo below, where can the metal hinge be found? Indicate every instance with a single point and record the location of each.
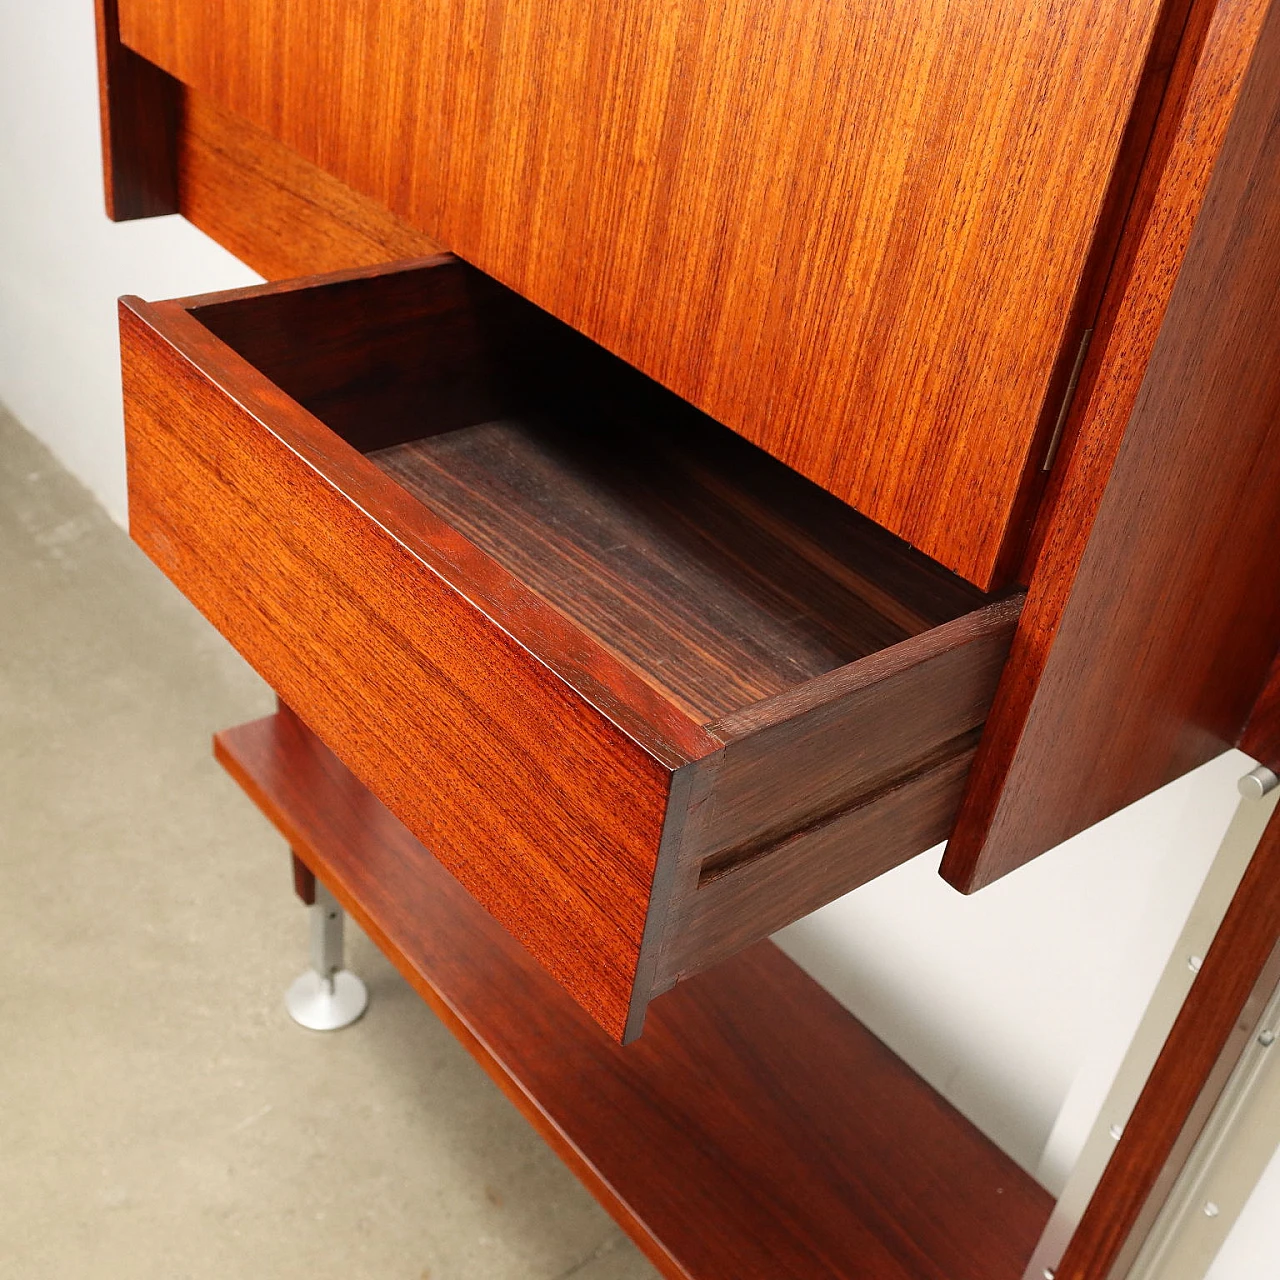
(1068, 396)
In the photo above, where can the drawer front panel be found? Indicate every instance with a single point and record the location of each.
(853, 233)
(819, 791)
(753, 899)
(508, 775)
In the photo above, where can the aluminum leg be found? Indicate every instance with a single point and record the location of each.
(1260, 794)
(326, 997)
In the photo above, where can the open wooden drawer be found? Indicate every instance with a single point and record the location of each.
(646, 692)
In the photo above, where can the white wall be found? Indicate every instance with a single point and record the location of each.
(62, 264)
(1250, 1250)
(1016, 1003)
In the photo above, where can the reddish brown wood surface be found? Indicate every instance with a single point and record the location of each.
(304, 880)
(716, 575)
(281, 214)
(757, 1131)
(821, 789)
(1224, 1002)
(854, 235)
(241, 520)
(716, 915)
(140, 110)
(1154, 609)
(1027, 526)
(626, 672)
(1261, 737)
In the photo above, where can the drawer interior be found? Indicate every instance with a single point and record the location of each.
(716, 574)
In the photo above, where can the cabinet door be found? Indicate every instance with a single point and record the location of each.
(852, 230)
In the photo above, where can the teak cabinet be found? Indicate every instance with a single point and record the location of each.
(691, 458)
(1065, 208)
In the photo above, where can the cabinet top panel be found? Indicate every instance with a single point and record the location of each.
(851, 231)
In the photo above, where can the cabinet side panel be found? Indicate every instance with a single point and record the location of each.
(547, 813)
(1154, 610)
(1261, 737)
(140, 109)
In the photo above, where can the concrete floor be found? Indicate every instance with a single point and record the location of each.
(159, 1114)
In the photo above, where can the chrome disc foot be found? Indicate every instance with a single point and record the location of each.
(327, 997)
(326, 1004)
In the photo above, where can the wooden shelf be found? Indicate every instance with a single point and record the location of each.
(756, 1132)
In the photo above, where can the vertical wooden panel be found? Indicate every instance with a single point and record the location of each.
(1154, 610)
(304, 881)
(1261, 737)
(140, 110)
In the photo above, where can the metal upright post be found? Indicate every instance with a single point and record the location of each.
(1260, 793)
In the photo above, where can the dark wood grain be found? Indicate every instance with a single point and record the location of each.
(649, 541)
(1154, 609)
(720, 576)
(379, 355)
(593, 651)
(1239, 972)
(852, 731)
(852, 234)
(140, 112)
(279, 213)
(1261, 737)
(304, 880)
(756, 1132)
